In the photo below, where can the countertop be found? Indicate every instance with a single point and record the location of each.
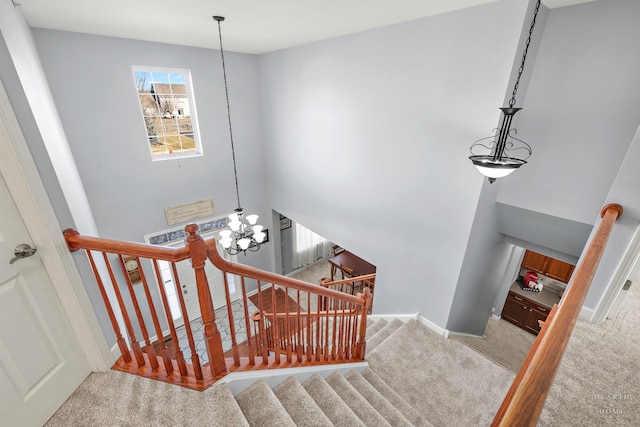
(545, 297)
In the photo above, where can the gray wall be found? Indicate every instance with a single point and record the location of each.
(580, 116)
(367, 140)
(93, 87)
(581, 110)
(626, 192)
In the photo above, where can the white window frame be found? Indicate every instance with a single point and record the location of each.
(192, 107)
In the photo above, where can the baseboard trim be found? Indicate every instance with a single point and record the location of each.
(462, 334)
(115, 353)
(239, 381)
(389, 317)
(437, 329)
(586, 313)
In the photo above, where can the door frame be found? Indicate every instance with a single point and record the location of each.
(620, 276)
(28, 192)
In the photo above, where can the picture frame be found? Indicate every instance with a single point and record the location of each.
(285, 223)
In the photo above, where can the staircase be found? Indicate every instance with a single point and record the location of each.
(391, 392)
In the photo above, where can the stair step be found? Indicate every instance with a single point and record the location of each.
(383, 334)
(261, 407)
(222, 408)
(330, 402)
(356, 401)
(398, 401)
(375, 327)
(378, 401)
(304, 411)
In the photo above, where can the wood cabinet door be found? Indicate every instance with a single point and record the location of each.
(534, 261)
(514, 311)
(533, 317)
(559, 270)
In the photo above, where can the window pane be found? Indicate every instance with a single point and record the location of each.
(168, 109)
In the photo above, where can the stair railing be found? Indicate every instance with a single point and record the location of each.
(150, 345)
(526, 397)
(351, 285)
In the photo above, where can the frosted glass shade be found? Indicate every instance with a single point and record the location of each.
(257, 228)
(259, 236)
(225, 234)
(244, 243)
(226, 242)
(252, 219)
(235, 225)
(494, 172)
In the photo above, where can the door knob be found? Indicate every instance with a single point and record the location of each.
(23, 250)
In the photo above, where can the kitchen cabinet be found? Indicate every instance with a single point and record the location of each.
(524, 312)
(550, 267)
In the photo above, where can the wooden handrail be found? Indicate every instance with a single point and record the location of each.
(75, 241)
(524, 401)
(349, 280)
(265, 276)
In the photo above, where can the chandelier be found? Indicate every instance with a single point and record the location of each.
(245, 234)
(502, 153)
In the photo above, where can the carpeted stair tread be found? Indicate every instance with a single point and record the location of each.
(117, 398)
(474, 393)
(330, 402)
(363, 409)
(375, 326)
(261, 407)
(300, 405)
(377, 400)
(398, 401)
(383, 334)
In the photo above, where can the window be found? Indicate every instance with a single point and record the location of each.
(168, 112)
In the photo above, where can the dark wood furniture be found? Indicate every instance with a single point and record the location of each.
(353, 264)
(548, 266)
(524, 312)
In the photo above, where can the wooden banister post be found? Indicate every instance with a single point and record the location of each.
(361, 347)
(213, 340)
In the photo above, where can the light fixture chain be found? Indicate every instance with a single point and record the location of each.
(226, 91)
(512, 101)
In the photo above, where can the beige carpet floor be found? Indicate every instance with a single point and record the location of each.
(503, 343)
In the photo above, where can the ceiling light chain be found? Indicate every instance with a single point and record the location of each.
(512, 101)
(243, 236)
(502, 153)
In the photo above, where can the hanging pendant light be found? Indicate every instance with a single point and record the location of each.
(245, 234)
(502, 153)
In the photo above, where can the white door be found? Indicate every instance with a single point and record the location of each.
(41, 362)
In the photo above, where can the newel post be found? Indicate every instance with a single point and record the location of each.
(213, 340)
(361, 346)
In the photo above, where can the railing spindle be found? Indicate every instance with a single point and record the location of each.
(122, 344)
(195, 358)
(153, 359)
(168, 364)
(135, 346)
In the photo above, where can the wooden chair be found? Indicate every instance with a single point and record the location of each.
(347, 272)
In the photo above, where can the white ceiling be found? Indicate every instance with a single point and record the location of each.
(251, 26)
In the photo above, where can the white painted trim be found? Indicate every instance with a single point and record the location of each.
(618, 279)
(586, 313)
(27, 190)
(238, 381)
(389, 317)
(437, 329)
(462, 334)
(494, 317)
